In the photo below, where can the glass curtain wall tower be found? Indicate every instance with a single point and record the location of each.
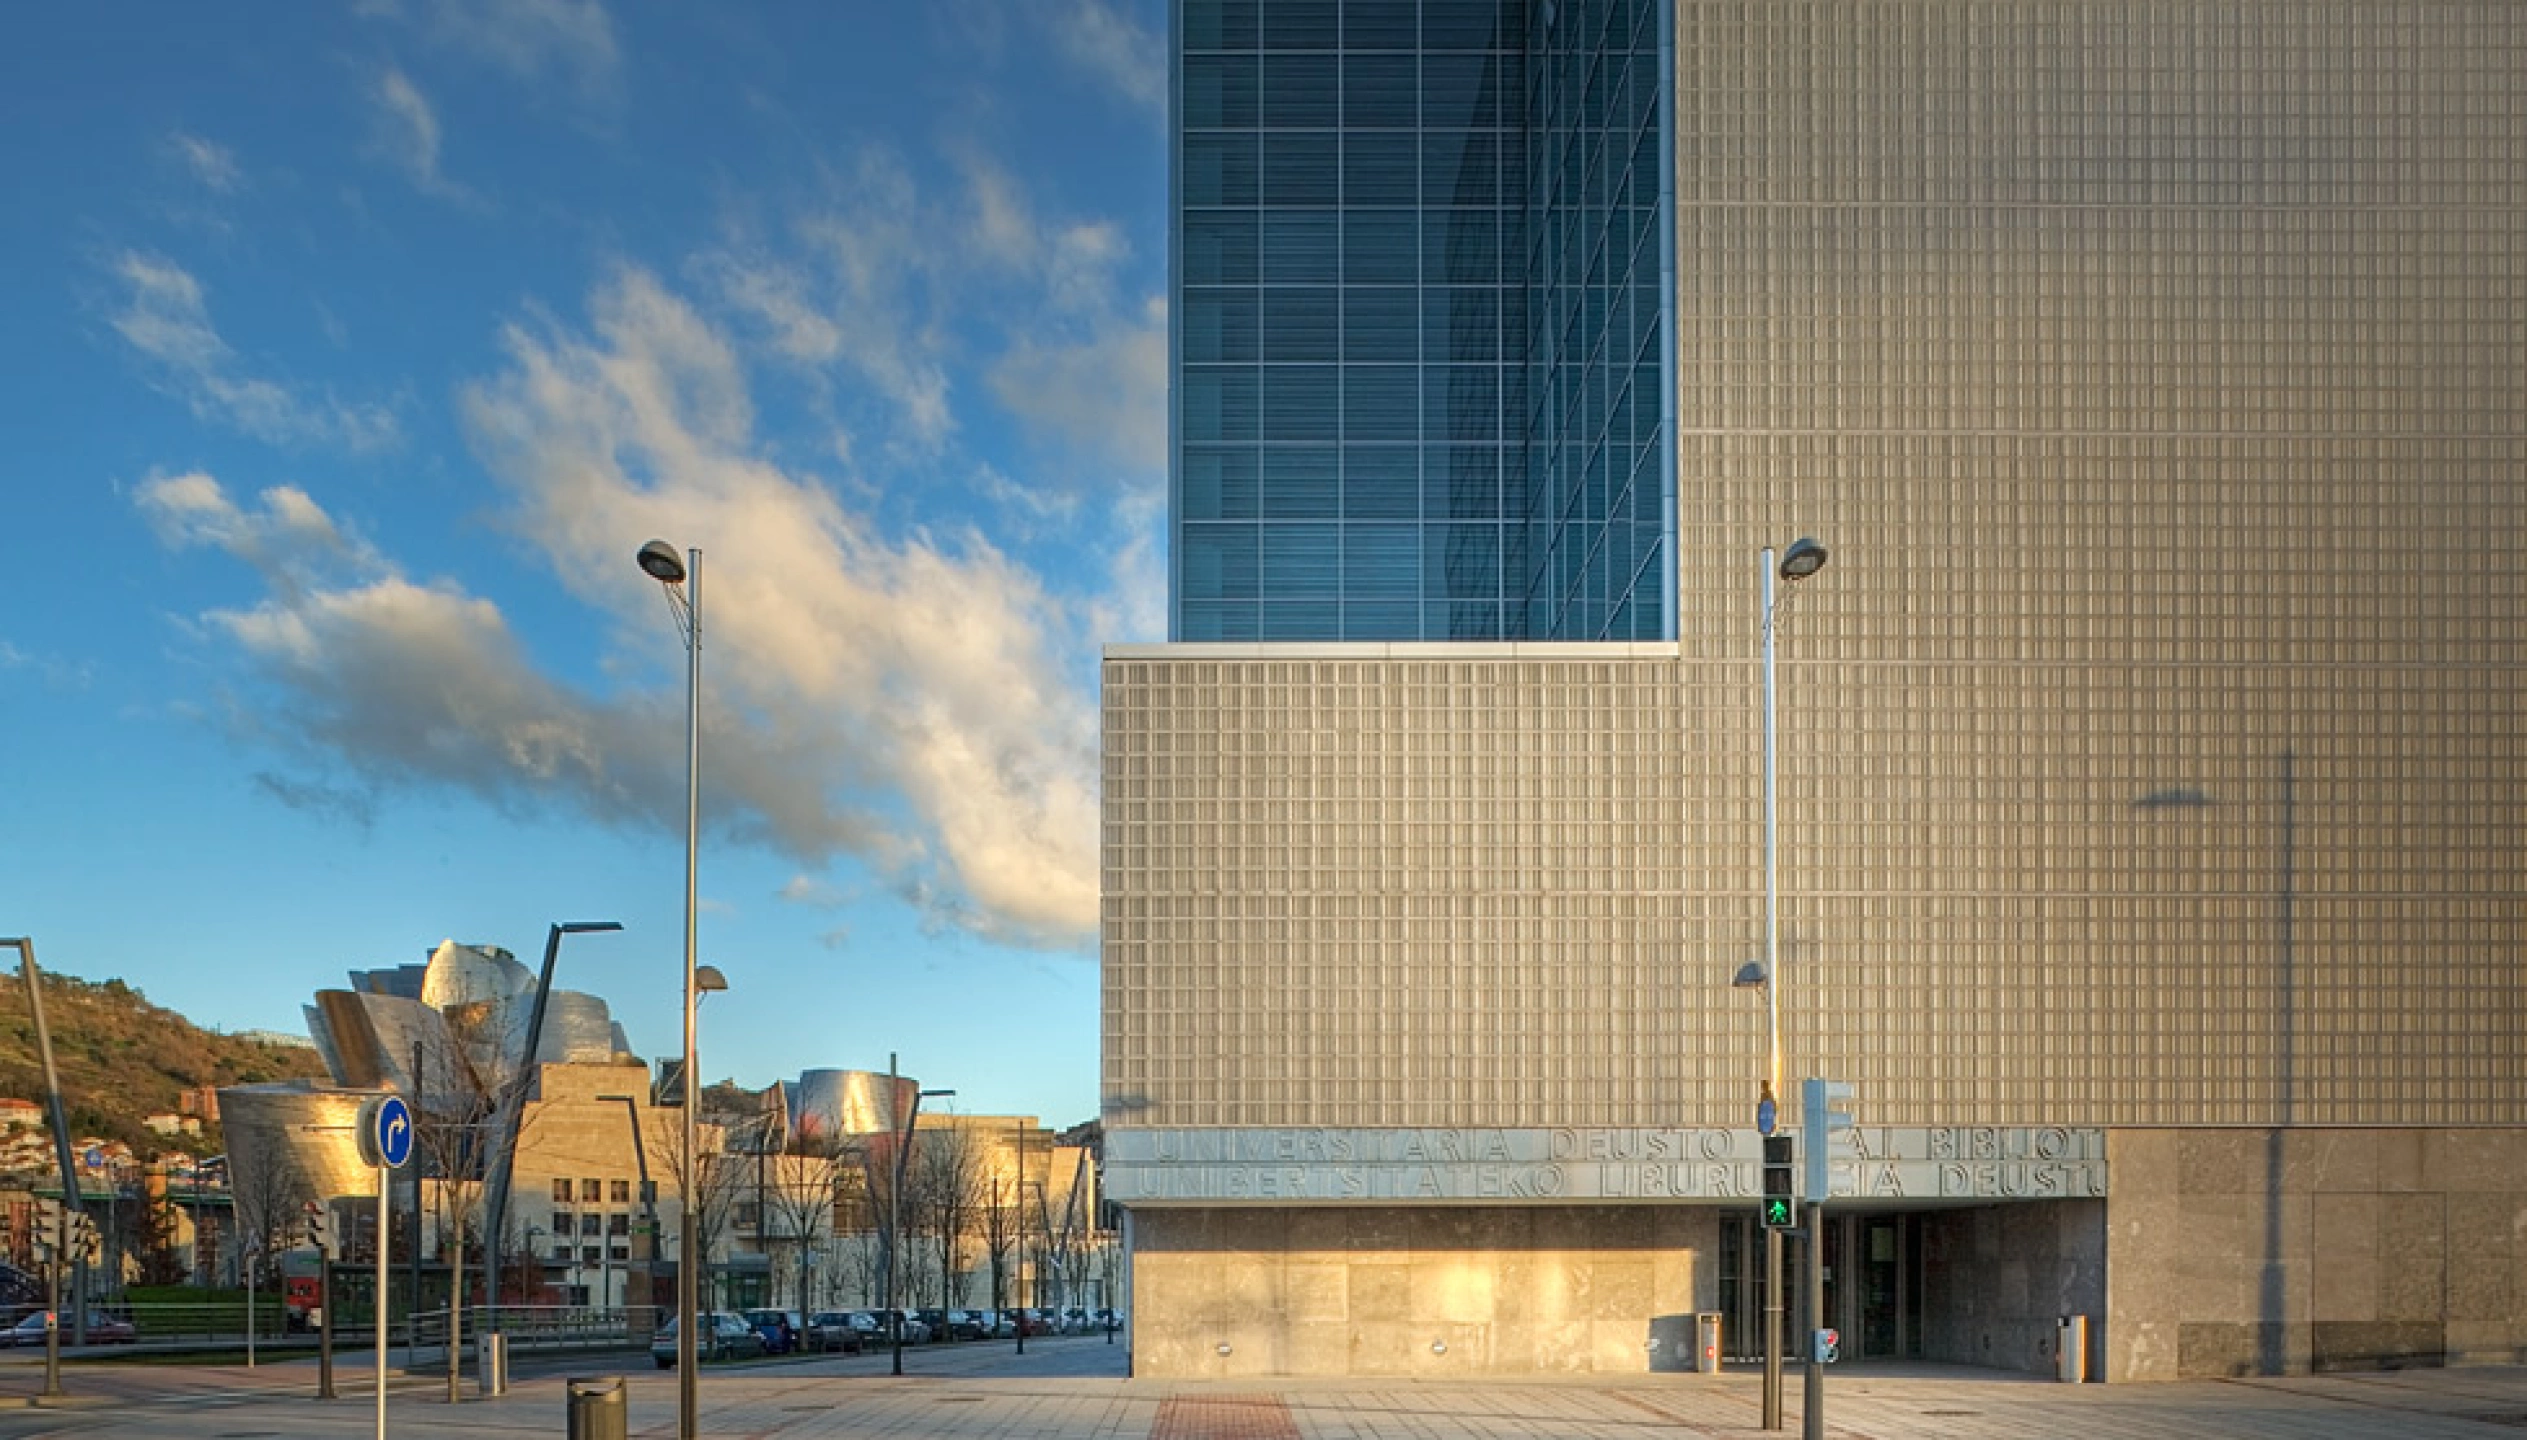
(1422, 338)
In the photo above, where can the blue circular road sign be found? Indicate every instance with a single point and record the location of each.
(386, 1132)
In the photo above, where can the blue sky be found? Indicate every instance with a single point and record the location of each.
(352, 350)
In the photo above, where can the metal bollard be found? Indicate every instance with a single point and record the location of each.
(2070, 1350)
(598, 1409)
(491, 1363)
(1706, 1350)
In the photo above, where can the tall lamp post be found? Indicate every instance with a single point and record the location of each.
(1804, 558)
(682, 580)
(895, 1214)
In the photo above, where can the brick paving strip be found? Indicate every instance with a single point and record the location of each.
(1224, 1417)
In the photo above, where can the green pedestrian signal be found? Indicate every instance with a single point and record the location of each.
(1780, 1213)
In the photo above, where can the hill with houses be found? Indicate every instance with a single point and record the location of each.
(136, 1078)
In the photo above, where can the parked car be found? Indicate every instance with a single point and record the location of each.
(845, 1332)
(716, 1336)
(1075, 1321)
(779, 1329)
(916, 1331)
(103, 1329)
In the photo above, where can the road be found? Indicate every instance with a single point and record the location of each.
(1072, 1388)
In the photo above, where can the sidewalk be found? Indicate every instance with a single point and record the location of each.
(1072, 1390)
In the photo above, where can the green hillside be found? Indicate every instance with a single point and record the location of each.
(122, 1058)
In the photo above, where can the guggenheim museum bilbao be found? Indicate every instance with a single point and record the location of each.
(2150, 837)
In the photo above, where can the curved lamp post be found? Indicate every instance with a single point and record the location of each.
(682, 580)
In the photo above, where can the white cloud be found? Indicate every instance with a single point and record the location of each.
(919, 703)
(165, 318)
(571, 41)
(535, 38)
(1108, 44)
(905, 285)
(1103, 392)
(407, 134)
(925, 677)
(211, 164)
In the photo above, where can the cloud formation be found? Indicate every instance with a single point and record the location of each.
(408, 135)
(212, 165)
(164, 317)
(910, 703)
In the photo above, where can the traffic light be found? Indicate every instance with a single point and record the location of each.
(1781, 1165)
(319, 1228)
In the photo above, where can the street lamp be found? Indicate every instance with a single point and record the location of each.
(682, 581)
(1804, 558)
(895, 1213)
(648, 1201)
(512, 1105)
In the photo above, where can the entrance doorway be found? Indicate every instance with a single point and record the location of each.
(1873, 1286)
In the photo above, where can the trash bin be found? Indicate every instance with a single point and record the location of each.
(1706, 1348)
(598, 1410)
(491, 1363)
(2070, 1350)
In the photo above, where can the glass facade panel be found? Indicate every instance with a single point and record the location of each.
(1357, 267)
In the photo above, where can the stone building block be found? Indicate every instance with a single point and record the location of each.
(2408, 1161)
(1386, 1231)
(2413, 1261)
(1379, 1293)
(1447, 1287)
(2144, 1162)
(2376, 1344)
(2218, 1162)
(2346, 1161)
(2480, 1162)
(2346, 1257)
(1619, 1290)
(1382, 1347)
(1315, 1290)
(1617, 1346)
(1317, 1347)
(2479, 1257)
(2481, 1342)
(1323, 1232)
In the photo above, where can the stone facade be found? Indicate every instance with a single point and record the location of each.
(2260, 1251)
(1427, 1293)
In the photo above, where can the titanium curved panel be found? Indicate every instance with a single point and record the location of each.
(472, 974)
(290, 1142)
(578, 1030)
(837, 1103)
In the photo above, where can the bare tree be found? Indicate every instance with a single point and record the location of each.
(268, 1189)
(708, 1189)
(798, 1206)
(946, 1192)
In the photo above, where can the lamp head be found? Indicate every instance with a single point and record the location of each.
(1804, 558)
(707, 979)
(661, 563)
(1750, 976)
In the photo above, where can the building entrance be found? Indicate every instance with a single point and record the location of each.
(1873, 1286)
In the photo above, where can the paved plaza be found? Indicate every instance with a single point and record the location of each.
(1073, 1389)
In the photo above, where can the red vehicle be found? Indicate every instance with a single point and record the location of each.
(302, 1290)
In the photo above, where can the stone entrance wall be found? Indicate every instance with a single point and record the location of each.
(1436, 1291)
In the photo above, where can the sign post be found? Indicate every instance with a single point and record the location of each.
(385, 1142)
(1827, 1134)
